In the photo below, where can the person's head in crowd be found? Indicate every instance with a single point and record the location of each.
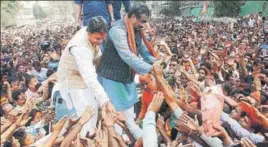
(32, 83)
(97, 29)
(139, 15)
(173, 63)
(202, 72)
(58, 49)
(37, 66)
(25, 139)
(36, 116)
(12, 142)
(147, 83)
(19, 97)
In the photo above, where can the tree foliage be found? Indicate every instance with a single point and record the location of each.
(265, 8)
(227, 8)
(172, 9)
(38, 12)
(9, 11)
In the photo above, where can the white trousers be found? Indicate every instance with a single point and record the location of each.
(130, 115)
(80, 99)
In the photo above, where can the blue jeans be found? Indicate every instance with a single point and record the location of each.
(61, 107)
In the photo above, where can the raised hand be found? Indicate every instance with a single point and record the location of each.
(108, 108)
(59, 125)
(77, 142)
(191, 124)
(71, 122)
(109, 120)
(87, 142)
(245, 142)
(156, 102)
(221, 132)
(101, 137)
(157, 70)
(22, 120)
(121, 117)
(160, 122)
(87, 114)
(120, 140)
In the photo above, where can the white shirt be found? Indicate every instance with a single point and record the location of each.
(42, 75)
(84, 59)
(251, 22)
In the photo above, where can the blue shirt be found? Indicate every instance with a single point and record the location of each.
(117, 8)
(94, 8)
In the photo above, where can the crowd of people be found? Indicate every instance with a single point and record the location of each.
(206, 84)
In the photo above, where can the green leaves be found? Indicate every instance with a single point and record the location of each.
(227, 8)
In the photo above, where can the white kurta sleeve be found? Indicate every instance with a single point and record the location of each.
(84, 60)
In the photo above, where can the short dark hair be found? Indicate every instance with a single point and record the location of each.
(20, 135)
(97, 24)
(36, 63)
(138, 9)
(174, 60)
(16, 94)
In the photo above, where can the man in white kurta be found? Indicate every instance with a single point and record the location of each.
(76, 73)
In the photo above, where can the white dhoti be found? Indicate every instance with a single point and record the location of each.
(80, 99)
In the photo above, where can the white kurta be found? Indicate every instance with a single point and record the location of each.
(94, 95)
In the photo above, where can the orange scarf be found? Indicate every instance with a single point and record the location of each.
(131, 38)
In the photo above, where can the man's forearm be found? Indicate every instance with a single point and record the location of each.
(78, 12)
(5, 127)
(164, 135)
(72, 135)
(167, 91)
(111, 134)
(52, 139)
(111, 11)
(8, 133)
(131, 138)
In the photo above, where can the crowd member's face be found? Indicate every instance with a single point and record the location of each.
(21, 99)
(21, 69)
(236, 113)
(209, 82)
(245, 122)
(202, 75)
(144, 86)
(4, 78)
(139, 23)
(234, 78)
(96, 38)
(171, 71)
(33, 82)
(173, 65)
(183, 80)
(29, 139)
(37, 117)
(37, 67)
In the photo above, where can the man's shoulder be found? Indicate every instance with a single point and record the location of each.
(119, 24)
(44, 69)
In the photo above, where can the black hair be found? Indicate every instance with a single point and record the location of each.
(227, 87)
(28, 79)
(229, 130)
(138, 9)
(207, 65)
(32, 114)
(174, 60)
(16, 94)
(9, 142)
(201, 68)
(97, 24)
(20, 134)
